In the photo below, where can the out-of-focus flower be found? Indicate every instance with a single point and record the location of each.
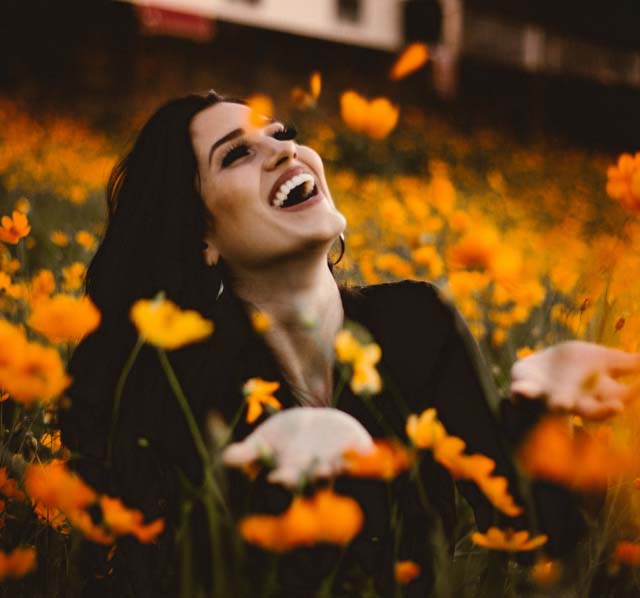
(623, 181)
(425, 430)
(64, 318)
(508, 540)
(52, 441)
(411, 59)
(163, 324)
(393, 263)
(42, 285)
(258, 393)
(23, 205)
(13, 228)
(18, 563)
(385, 461)
(9, 486)
(376, 118)
(406, 571)
(546, 572)
(627, 553)
(261, 321)
(73, 276)
(86, 240)
(552, 451)
(122, 521)
(29, 372)
(307, 99)
(324, 518)
(429, 258)
(261, 109)
(57, 237)
(362, 358)
(304, 443)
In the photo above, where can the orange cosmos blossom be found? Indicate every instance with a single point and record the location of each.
(411, 59)
(386, 461)
(325, 517)
(362, 358)
(574, 458)
(18, 563)
(57, 237)
(508, 540)
(163, 324)
(623, 181)
(122, 521)
(261, 109)
(73, 276)
(15, 227)
(376, 118)
(406, 571)
(627, 553)
(307, 99)
(86, 240)
(259, 392)
(42, 285)
(64, 318)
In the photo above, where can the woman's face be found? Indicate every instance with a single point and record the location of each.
(242, 171)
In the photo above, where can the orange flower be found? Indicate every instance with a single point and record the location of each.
(52, 441)
(554, 452)
(325, 517)
(14, 228)
(261, 321)
(362, 358)
(163, 324)
(386, 461)
(627, 553)
(546, 572)
(623, 181)
(57, 237)
(307, 99)
(42, 285)
(259, 392)
(508, 540)
(17, 564)
(261, 108)
(86, 240)
(64, 318)
(122, 521)
(73, 276)
(411, 59)
(406, 571)
(56, 487)
(376, 118)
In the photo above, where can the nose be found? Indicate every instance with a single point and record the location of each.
(282, 151)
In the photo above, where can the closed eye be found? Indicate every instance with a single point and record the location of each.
(284, 133)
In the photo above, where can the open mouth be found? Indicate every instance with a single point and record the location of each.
(294, 191)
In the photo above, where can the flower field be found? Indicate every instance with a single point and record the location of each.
(534, 244)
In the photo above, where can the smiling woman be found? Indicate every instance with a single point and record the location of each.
(232, 219)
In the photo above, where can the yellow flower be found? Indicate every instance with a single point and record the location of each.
(307, 99)
(411, 59)
(406, 571)
(376, 118)
(13, 228)
(73, 276)
(86, 240)
(428, 257)
(23, 205)
(325, 517)
(163, 324)
(64, 318)
(623, 181)
(57, 237)
(362, 358)
(257, 393)
(508, 540)
(425, 430)
(18, 563)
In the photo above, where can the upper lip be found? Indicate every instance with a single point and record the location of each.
(285, 176)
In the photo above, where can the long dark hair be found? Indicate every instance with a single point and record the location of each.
(153, 242)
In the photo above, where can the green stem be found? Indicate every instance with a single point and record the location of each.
(219, 584)
(344, 376)
(115, 413)
(234, 423)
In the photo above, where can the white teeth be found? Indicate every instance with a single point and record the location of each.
(285, 188)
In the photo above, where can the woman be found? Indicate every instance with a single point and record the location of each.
(228, 217)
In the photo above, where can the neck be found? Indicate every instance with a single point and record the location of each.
(303, 300)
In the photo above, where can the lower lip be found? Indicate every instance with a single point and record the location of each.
(312, 201)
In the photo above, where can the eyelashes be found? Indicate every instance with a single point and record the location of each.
(285, 133)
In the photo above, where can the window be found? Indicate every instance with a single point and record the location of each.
(349, 10)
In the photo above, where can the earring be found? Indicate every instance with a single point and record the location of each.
(220, 290)
(342, 249)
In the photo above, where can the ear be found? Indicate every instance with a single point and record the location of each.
(210, 252)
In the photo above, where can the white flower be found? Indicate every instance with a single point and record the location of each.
(303, 443)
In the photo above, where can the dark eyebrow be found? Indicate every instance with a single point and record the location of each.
(228, 137)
